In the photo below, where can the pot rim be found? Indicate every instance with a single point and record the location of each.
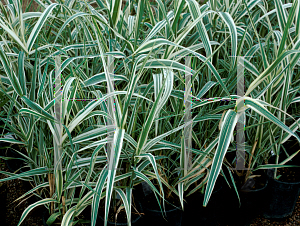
(256, 190)
(166, 211)
(281, 182)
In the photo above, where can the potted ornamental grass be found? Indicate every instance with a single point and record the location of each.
(131, 112)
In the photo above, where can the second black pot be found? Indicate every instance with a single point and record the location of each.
(253, 202)
(194, 212)
(282, 197)
(153, 216)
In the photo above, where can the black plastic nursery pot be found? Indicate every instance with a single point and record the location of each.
(223, 207)
(253, 202)
(194, 212)
(282, 197)
(152, 213)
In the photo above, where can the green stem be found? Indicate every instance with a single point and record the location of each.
(277, 160)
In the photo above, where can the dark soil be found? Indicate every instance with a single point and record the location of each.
(12, 211)
(259, 182)
(289, 174)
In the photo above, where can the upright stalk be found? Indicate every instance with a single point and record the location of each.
(57, 140)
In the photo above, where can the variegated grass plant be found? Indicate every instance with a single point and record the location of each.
(147, 41)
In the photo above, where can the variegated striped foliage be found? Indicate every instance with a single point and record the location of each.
(148, 42)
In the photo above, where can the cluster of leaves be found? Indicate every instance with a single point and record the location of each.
(123, 69)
